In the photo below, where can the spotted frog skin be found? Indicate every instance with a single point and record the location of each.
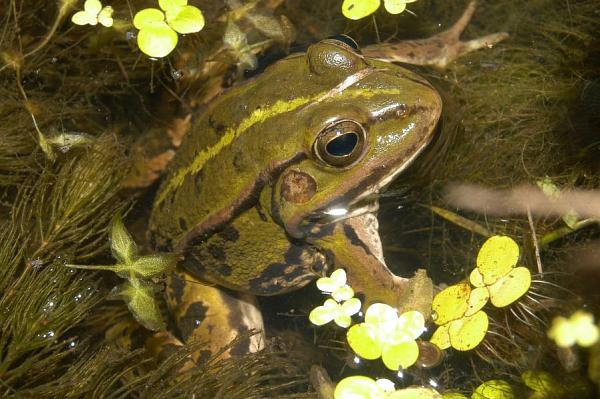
(277, 183)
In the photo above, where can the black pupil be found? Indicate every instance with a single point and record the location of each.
(342, 145)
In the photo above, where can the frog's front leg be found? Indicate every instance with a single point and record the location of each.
(439, 50)
(354, 244)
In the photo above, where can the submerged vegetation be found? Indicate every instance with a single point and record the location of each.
(89, 122)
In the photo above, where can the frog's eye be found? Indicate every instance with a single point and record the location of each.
(340, 144)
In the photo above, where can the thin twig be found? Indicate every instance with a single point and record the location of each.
(538, 260)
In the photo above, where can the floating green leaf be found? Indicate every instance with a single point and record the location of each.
(332, 310)
(497, 256)
(494, 389)
(577, 329)
(543, 383)
(93, 13)
(451, 303)
(400, 356)
(158, 29)
(510, 287)
(184, 20)
(396, 6)
(359, 387)
(385, 335)
(468, 332)
(357, 9)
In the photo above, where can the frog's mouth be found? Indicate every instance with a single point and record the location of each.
(338, 212)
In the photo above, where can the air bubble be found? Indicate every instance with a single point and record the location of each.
(177, 74)
(47, 334)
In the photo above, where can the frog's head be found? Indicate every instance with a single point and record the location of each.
(370, 123)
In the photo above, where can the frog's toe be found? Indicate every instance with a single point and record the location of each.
(439, 50)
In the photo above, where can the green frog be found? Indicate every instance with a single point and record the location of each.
(277, 183)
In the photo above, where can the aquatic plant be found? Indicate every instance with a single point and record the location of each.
(341, 307)
(497, 273)
(494, 389)
(357, 9)
(138, 291)
(383, 334)
(462, 325)
(94, 13)
(388, 335)
(543, 384)
(361, 387)
(578, 329)
(159, 28)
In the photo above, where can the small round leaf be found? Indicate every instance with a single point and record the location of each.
(187, 19)
(324, 314)
(357, 9)
(477, 300)
(148, 17)
(468, 332)
(412, 324)
(510, 287)
(358, 387)
(157, 41)
(364, 341)
(451, 303)
(382, 317)
(351, 306)
(441, 337)
(476, 278)
(415, 393)
(497, 256)
(494, 389)
(400, 356)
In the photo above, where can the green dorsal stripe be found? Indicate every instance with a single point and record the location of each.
(257, 116)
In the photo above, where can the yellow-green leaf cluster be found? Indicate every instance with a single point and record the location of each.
(389, 336)
(361, 387)
(93, 13)
(494, 389)
(543, 384)
(496, 271)
(342, 304)
(458, 308)
(357, 9)
(578, 329)
(158, 29)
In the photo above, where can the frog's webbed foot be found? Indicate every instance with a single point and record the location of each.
(439, 50)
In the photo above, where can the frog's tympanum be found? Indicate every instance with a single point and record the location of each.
(277, 183)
